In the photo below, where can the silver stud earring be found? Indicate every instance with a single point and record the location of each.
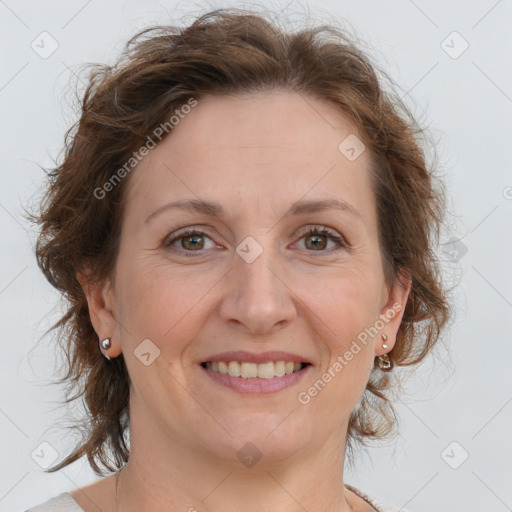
(105, 344)
(384, 338)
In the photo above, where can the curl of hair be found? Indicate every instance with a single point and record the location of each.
(228, 51)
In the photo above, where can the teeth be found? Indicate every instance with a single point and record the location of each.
(234, 369)
(223, 367)
(248, 370)
(266, 371)
(253, 370)
(279, 368)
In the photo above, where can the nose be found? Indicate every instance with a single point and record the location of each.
(259, 299)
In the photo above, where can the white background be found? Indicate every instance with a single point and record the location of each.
(464, 396)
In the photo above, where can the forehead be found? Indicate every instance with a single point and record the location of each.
(270, 118)
(279, 143)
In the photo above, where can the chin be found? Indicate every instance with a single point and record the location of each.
(268, 437)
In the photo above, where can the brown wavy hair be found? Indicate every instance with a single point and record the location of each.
(229, 51)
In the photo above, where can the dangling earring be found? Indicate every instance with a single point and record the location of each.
(384, 361)
(105, 344)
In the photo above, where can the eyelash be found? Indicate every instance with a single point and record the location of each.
(313, 231)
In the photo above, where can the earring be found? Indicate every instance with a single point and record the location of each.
(384, 338)
(384, 361)
(105, 344)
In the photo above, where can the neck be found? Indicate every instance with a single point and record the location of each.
(167, 474)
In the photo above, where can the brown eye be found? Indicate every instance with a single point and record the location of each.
(317, 239)
(190, 241)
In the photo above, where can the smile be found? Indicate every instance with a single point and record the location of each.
(255, 378)
(248, 370)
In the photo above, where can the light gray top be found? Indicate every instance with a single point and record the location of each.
(65, 503)
(61, 503)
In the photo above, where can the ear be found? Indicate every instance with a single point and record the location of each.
(100, 300)
(392, 311)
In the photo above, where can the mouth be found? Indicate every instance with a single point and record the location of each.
(256, 373)
(249, 370)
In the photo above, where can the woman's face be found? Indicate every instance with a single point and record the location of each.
(250, 284)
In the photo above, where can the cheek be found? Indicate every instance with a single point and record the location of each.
(160, 302)
(348, 303)
(347, 310)
(349, 307)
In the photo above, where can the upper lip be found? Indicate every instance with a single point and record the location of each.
(262, 357)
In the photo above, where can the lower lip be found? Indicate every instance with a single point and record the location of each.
(254, 385)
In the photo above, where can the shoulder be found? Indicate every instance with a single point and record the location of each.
(61, 503)
(376, 504)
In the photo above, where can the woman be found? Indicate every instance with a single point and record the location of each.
(242, 225)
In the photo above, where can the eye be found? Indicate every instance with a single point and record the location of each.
(316, 238)
(192, 240)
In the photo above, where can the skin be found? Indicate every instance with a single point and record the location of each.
(255, 155)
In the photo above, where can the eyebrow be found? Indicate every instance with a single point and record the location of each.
(298, 208)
